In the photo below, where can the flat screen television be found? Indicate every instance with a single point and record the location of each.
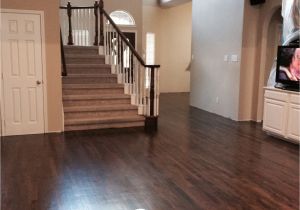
(288, 66)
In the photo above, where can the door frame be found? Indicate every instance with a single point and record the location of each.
(44, 69)
(129, 30)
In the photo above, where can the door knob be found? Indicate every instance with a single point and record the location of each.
(38, 82)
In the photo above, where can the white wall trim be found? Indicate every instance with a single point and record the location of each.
(44, 68)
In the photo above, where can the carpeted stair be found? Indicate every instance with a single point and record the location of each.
(92, 98)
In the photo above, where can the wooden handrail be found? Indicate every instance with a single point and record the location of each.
(123, 37)
(63, 59)
(77, 7)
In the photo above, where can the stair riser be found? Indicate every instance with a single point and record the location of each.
(89, 71)
(80, 51)
(102, 126)
(90, 80)
(99, 60)
(96, 102)
(80, 115)
(93, 91)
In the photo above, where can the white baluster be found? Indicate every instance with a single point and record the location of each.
(124, 62)
(76, 27)
(110, 43)
(89, 27)
(80, 26)
(130, 72)
(104, 31)
(84, 27)
(133, 86)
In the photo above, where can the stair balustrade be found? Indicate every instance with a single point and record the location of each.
(87, 26)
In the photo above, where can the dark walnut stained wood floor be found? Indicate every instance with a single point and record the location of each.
(196, 160)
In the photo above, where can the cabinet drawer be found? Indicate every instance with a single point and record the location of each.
(279, 96)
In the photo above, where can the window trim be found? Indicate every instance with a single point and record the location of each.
(129, 15)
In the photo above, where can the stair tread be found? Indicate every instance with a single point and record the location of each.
(102, 96)
(89, 75)
(93, 86)
(80, 47)
(69, 55)
(117, 107)
(90, 65)
(100, 120)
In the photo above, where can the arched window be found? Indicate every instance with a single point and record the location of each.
(122, 18)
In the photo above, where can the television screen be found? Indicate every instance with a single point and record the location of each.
(288, 65)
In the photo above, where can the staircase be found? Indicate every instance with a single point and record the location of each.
(92, 98)
(116, 89)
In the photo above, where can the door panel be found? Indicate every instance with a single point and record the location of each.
(294, 122)
(274, 116)
(22, 69)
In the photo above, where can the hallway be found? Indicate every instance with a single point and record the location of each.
(196, 160)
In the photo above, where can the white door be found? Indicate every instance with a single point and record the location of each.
(22, 74)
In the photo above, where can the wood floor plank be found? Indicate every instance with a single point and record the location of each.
(196, 160)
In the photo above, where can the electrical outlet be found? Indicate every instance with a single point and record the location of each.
(226, 58)
(234, 58)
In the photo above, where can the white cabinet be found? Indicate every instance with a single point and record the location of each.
(274, 116)
(293, 131)
(282, 113)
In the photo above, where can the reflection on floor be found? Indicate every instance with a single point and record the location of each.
(196, 160)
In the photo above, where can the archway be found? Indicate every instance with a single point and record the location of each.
(271, 38)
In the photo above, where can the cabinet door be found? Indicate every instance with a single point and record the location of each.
(275, 116)
(293, 130)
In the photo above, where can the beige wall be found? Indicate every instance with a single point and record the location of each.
(173, 28)
(249, 61)
(152, 16)
(52, 45)
(217, 31)
(134, 7)
(256, 57)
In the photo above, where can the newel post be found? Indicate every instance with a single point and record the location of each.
(101, 7)
(151, 121)
(96, 5)
(69, 12)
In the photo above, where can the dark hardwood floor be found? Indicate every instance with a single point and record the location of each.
(196, 160)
